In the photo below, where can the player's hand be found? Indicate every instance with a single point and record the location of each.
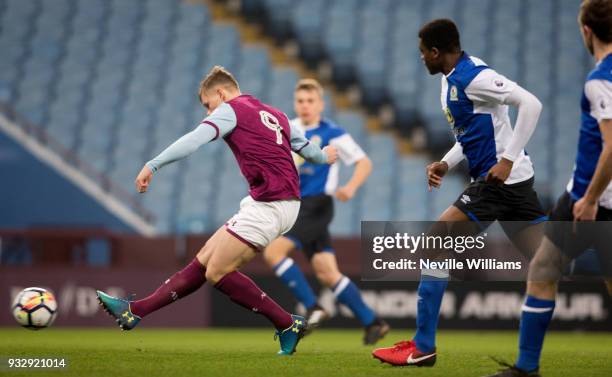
(332, 154)
(499, 172)
(585, 210)
(345, 193)
(143, 179)
(435, 172)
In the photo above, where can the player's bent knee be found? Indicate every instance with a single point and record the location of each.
(206, 251)
(277, 251)
(203, 255)
(272, 257)
(213, 277)
(543, 269)
(327, 274)
(214, 274)
(326, 278)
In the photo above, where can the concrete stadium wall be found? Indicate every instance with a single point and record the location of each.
(32, 194)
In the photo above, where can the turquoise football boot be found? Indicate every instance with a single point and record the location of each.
(119, 309)
(290, 337)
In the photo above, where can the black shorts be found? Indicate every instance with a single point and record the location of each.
(485, 202)
(310, 233)
(574, 239)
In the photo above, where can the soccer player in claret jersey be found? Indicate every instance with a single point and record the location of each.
(318, 185)
(582, 216)
(475, 99)
(262, 140)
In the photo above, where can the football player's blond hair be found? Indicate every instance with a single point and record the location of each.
(218, 76)
(309, 85)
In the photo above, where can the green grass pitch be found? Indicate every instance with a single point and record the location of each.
(245, 352)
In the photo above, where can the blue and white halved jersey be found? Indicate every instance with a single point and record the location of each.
(323, 179)
(596, 105)
(473, 98)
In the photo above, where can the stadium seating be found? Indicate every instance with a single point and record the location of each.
(116, 81)
(374, 43)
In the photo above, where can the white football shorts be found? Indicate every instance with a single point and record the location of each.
(259, 223)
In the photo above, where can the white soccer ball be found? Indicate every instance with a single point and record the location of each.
(35, 308)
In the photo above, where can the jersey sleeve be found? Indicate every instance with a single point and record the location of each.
(599, 94)
(454, 156)
(298, 139)
(529, 110)
(348, 150)
(222, 119)
(490, 86)
(219, 123)
(303, 147)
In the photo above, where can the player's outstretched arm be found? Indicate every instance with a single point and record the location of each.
(309, 151)
(219, 123)
(180, 149)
